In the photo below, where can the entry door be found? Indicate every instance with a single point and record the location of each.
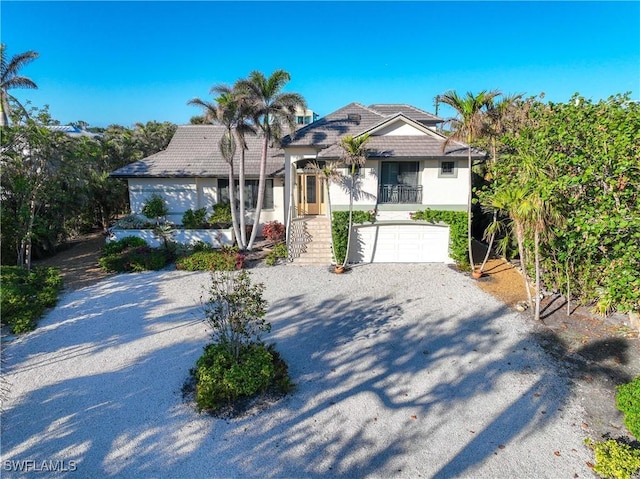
(310, 194)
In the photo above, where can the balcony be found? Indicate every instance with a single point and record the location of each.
(400, 194)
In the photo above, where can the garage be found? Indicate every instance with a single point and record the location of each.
(400, 242)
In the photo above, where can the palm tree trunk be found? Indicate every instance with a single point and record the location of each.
(232, 200)
(241, 180)
(536, 252)
(523, 262)
(346, 253)
(469, 198)
(261, 182)
(493, 237)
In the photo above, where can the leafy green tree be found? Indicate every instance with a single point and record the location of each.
(10, 78)
(467, 127)
(271, 109)
(354, 156)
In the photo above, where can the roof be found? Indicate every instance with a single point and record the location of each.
(400, 146)
(73, 131)
(410, 111)
(194, 152)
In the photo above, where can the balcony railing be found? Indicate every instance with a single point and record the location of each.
(400, 194)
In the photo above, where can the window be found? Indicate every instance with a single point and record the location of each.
(300, 120)
(250, 193)
(448, 169)
(400, 173)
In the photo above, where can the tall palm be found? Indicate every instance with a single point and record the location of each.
(354, 156)
(10, 78)
(241, 128)
(467, 127)
(223, 112)
(499, 115)
(271, 110)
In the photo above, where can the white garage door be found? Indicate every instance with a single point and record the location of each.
(400, 243)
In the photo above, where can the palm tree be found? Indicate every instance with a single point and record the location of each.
(223, 113)
(330, 173)
(354, 156)
(468, 126)
(10, 78)
(271, 108)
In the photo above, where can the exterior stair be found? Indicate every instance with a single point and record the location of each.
(312, 241)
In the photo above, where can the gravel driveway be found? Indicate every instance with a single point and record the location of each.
(401, 371)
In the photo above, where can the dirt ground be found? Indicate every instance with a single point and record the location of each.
(596, 354)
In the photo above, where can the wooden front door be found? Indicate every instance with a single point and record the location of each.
(310, 194)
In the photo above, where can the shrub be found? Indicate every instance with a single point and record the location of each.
(279, 251)
(221, 378)
(195, 219)
(235, 310)
(628, 401)
(615, 459)
(340, 227)
(132, 222)
(155, 207)
(205, 259)
(114, 247)
(25, 296)
(221, 216)
(274, 231)
(132, 254)
(457, 221)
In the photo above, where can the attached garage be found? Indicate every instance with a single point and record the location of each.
(400, 242)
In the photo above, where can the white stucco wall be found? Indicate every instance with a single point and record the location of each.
(444, 190)
(182, 194)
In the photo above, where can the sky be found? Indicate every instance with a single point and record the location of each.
(108, 62)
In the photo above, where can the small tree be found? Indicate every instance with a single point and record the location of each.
(155, 208)
(236, 310)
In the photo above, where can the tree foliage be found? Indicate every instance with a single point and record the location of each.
(580, 161)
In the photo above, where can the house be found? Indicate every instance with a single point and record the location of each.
(191, 174)
(407, 170)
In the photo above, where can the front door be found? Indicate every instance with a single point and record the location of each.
(310, 194)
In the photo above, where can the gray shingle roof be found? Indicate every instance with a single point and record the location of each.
(194, 152)
(349, 120)
(409, 111)
(397, 146)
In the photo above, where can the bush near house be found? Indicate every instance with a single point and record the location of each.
(628, 401)
(225, 259)
(24, 296)
(274, 231)
(457, 221)
(340, 226)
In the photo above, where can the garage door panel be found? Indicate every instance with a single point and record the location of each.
(400, 243)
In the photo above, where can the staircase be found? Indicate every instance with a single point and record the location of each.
(310, 241)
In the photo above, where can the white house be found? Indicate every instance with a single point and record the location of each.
(408, 169)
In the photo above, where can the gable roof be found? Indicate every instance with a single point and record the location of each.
(356, 119)
(194, 152)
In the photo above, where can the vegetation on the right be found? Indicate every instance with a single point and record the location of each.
(560, 191)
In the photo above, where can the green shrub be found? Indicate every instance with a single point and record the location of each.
(225, 259)
(279, 251)
(115, 247)
(222, 379)
(195, 219)
(221, 216)
(628, 401)
(132, 254)
(155, 207)
(340, 227)
(614, 459)
(457, 221)
(25, 296)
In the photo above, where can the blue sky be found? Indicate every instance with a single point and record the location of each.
(125, 62)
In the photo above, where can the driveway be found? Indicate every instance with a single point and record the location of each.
(401, 371)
